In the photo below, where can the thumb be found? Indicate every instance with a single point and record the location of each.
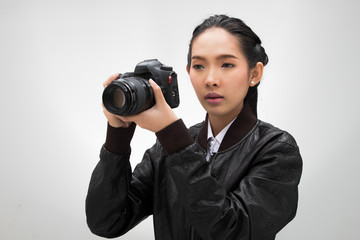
(159, 97)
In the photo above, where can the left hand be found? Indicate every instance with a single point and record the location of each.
(157, 117)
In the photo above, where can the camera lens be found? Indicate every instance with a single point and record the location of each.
(128, 96)
(118, 98)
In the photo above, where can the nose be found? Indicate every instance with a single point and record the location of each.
(212, 79)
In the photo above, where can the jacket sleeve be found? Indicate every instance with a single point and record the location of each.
(117, 200)
(263, 203)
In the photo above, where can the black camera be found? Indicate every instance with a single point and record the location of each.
(132, 93)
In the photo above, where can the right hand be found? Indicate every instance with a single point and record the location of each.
(114, 120)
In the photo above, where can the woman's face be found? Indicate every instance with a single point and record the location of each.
(219, 73)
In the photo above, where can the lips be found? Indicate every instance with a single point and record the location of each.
(213, 98)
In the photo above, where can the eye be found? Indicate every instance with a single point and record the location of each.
(198, 66)
(228, 65)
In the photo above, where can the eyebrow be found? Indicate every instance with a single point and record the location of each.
(223, 56)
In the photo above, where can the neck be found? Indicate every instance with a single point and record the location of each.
(244, 122)
(219, 122)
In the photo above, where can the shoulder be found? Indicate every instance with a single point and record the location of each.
(269, 133)
(277, 148)
(195, 129)
(277, 154)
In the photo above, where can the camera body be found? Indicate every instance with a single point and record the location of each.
(132, 93)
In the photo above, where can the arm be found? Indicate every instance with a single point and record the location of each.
(112, 206)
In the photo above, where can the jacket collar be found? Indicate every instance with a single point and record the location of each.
(242, 125)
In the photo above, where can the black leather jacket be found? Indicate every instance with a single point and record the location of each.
(248, 190)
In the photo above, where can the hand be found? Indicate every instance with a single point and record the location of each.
(155, 118)
(114, 120)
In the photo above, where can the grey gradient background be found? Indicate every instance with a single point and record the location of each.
(55, 55)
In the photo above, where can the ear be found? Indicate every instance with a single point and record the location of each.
(187, 69)
(256, 74)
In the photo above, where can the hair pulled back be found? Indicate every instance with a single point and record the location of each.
(249, 43)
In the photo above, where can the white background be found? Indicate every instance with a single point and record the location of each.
(55, 55)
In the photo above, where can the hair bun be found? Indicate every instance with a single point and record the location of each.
(264, 58)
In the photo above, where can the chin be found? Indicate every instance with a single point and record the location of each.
(218, 113)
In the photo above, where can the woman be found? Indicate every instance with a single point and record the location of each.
(229, 177)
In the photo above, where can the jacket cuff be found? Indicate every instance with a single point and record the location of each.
(118, 139)
(175, 137)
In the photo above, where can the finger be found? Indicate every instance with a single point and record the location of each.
(127, 119)
(107, 114)
(104, 108)
(110, 79)
(159, 97)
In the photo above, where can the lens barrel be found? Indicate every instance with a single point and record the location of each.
(128, 96)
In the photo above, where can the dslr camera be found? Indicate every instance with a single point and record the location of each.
(132, 93)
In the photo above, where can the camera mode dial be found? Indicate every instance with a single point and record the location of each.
(166, 68)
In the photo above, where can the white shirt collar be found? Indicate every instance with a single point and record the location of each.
(215, 142)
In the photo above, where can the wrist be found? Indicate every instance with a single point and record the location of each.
(118, 139)
(175, 137)
(118, 124)
(167, 122)
(114, 124)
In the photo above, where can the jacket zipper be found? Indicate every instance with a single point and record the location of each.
(211, 161)
(192, 233)
(192, 229)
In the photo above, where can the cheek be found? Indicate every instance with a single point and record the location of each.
(239, 77)
(240, 83)
(197, 86)
(194, 81)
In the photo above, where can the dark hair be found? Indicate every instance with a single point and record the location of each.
(249, 43)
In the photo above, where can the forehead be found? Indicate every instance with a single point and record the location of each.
(216, 41)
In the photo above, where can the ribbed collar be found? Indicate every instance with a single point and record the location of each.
(244, 122)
